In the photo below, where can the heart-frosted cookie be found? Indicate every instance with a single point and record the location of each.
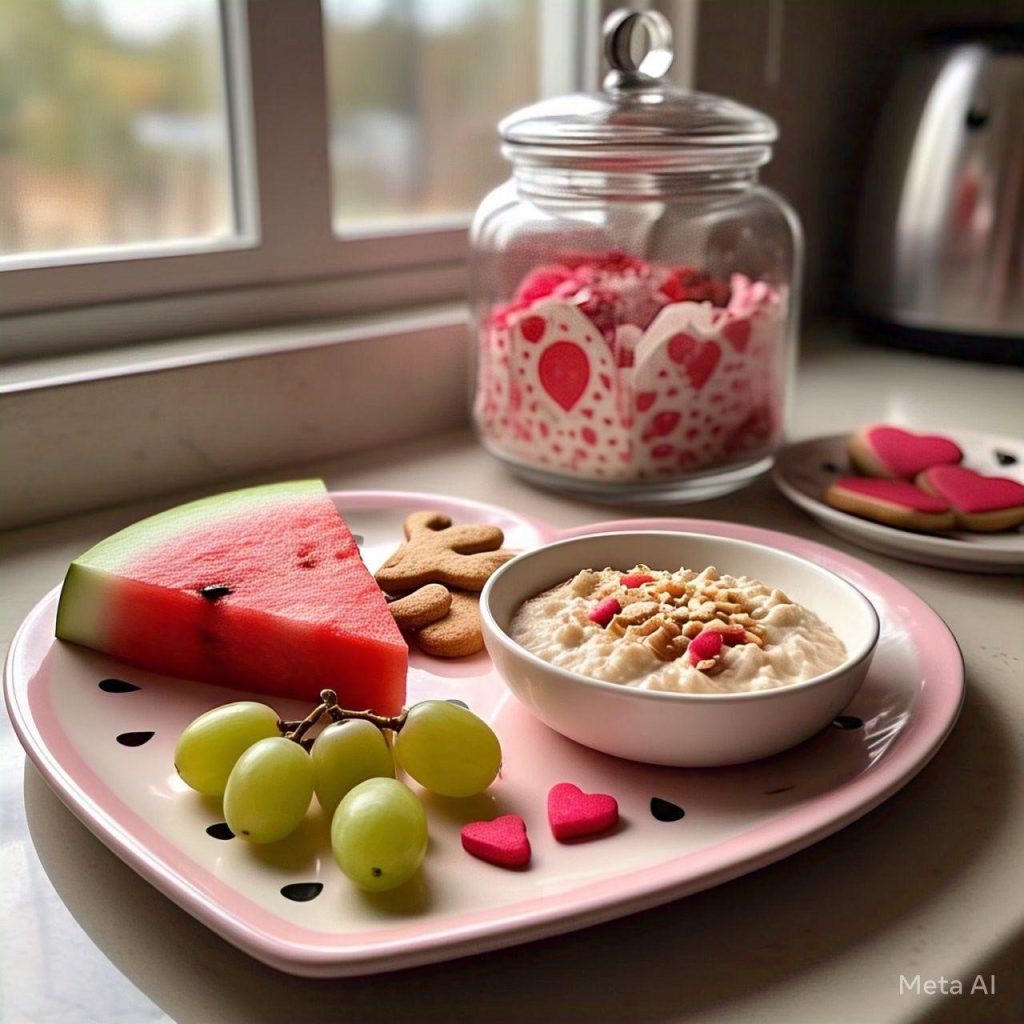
(892, 502)
(983, 503)
(896, 454)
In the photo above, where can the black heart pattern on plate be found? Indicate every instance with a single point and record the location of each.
(848, 722)
(134, 739)
(117, 686)
(665, 810)
(302, 892)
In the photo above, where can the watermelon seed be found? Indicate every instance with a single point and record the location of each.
(220, 831)
(215, 591)
(134, 739)
(116, 686)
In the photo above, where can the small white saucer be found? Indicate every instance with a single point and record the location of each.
(803, 472)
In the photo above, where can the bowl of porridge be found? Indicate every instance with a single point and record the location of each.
(677, 648)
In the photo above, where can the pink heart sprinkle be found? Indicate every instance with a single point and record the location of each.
(706, 644)
(604, 611)
(636, 579)
(574, 814)
(502, 841)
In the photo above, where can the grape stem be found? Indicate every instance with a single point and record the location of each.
(329, 705)
(381, 721)
(308, 722)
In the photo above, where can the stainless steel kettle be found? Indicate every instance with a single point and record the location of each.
(940, 245)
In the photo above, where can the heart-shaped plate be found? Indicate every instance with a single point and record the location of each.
(106, 750)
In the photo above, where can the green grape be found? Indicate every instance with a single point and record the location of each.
(269, 790)
(209, 747)
(345, 754)
(379, 834)
(447, 749)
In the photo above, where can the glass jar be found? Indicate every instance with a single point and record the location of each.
(635, 288)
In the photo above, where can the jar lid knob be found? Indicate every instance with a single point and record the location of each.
(629, 35)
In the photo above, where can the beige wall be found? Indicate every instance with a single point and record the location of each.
(821, 68)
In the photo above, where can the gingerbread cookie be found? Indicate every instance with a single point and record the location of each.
(421, 607)
(435, 551)
(892, 502)
(456, 635)
(896, 454)
(983, 503)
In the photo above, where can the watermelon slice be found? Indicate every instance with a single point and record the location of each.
(261, 589)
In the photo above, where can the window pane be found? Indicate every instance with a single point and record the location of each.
(416, 88)
(113, 124)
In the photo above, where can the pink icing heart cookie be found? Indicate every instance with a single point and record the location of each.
(897, 454)
(574, 814)
(982, 503)
(502, 841)
(892, 502)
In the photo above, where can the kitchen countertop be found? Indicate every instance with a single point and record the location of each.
(927, 884)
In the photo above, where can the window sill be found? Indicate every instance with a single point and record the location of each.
(94, 429)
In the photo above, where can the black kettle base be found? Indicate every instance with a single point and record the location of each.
(981, 348)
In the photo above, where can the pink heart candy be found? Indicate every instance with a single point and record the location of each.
(574, 814)
(706, 644)
(502, 841)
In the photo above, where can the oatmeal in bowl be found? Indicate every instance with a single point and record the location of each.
(680, 631)
(680, 648)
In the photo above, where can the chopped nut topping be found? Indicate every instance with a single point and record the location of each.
(666, 614)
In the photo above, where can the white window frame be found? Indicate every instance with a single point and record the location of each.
(285, 262)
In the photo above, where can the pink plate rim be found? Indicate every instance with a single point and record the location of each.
(301, 951)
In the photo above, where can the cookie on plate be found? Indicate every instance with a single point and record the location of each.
(458, 634)
(892, 502)
(895, 454)
(987, 504)
(436, 551)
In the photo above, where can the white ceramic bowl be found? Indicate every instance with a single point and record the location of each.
(682, 729)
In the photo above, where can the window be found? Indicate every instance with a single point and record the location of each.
(115, 126)
(186, 166)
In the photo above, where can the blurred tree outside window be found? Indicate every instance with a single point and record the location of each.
(114, 124)
(415, 90)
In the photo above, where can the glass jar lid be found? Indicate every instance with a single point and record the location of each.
(636, 108)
